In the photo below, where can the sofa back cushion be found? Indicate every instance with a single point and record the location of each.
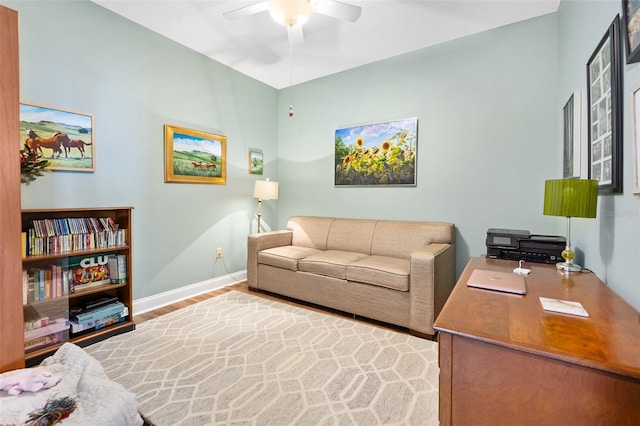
(400, 238)
(310, 231)
(351, 235)
(394, 238)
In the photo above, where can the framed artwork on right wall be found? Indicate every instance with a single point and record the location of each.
(604, 110)
(571, 136)
(635, 144)
(631, 24)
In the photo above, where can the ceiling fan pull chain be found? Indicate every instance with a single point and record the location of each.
(291, 79)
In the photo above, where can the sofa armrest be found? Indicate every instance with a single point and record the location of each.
(432, 279)
(262, 241)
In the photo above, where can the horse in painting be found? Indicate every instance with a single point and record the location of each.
(74, 143)
(54, 143)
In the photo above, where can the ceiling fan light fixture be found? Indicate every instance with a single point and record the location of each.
(290, 12)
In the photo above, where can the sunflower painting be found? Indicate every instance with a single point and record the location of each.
(377, 154)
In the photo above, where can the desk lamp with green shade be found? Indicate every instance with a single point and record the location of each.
(570, 198)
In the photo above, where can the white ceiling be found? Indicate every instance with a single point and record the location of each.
(258, 47)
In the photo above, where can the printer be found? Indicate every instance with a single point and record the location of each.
(516, 244)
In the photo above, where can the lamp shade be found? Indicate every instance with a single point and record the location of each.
(571, 197)
(265, 190)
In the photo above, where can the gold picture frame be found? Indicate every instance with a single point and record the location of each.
(194, 156)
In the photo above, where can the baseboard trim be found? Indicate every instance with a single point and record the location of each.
(156, 301)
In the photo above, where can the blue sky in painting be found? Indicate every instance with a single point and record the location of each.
(188, 143)
(35, 114)
(375, 134)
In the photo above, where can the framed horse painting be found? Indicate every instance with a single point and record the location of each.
(64, 138)
(194, 156)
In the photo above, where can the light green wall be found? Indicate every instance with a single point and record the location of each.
(488, 108)
(487, 134)
(78, 56)
(610, 243)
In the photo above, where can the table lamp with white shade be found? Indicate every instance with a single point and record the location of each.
(264, 190)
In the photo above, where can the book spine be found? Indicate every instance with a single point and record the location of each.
(23, 237)
(113, 269)
(65, 282)
(47, 284)
(41, 285)
(122, 268)
(25, 287)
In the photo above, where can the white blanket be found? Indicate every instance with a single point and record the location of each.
(99, 400)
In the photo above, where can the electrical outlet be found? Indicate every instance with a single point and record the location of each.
(219, 252)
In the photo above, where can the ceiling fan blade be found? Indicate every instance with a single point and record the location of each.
(295, 35)
(252, 9)
(337, 9)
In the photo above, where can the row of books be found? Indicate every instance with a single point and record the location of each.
(44, 283)
(74, 225)
(34, 245)
(78, 273)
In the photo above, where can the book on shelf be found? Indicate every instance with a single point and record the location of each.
(44, 283)
(23, 239)
(53, 236)
(118, 268)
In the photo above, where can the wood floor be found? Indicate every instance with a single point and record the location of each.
(243, 287)
(184, 303)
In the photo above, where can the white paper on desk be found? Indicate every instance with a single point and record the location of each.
(563, 306)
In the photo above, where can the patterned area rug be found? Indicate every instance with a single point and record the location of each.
(244, 360)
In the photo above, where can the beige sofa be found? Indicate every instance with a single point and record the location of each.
(397, 272)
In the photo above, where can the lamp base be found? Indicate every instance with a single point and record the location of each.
(568, 267)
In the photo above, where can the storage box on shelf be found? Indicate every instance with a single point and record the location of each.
(65, 262)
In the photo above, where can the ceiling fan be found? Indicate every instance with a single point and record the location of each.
(293, 13)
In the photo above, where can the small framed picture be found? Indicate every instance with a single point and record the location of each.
(631, 25)
(571, 136)
(64, 138)
(256, 162)
(194, 156)
(635, 144)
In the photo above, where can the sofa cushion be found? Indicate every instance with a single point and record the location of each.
(286, 257)
(351, 235)
(310, 231)
(400, 238)
(383, 271)
(331, 263)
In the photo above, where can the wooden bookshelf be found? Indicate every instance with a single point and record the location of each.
(11, 335)
(75, 299)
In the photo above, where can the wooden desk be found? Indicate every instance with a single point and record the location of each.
(503, 360)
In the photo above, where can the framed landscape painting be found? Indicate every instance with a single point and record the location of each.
(381, 154)
(64, 138)
(256, 162)
(193, 156)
